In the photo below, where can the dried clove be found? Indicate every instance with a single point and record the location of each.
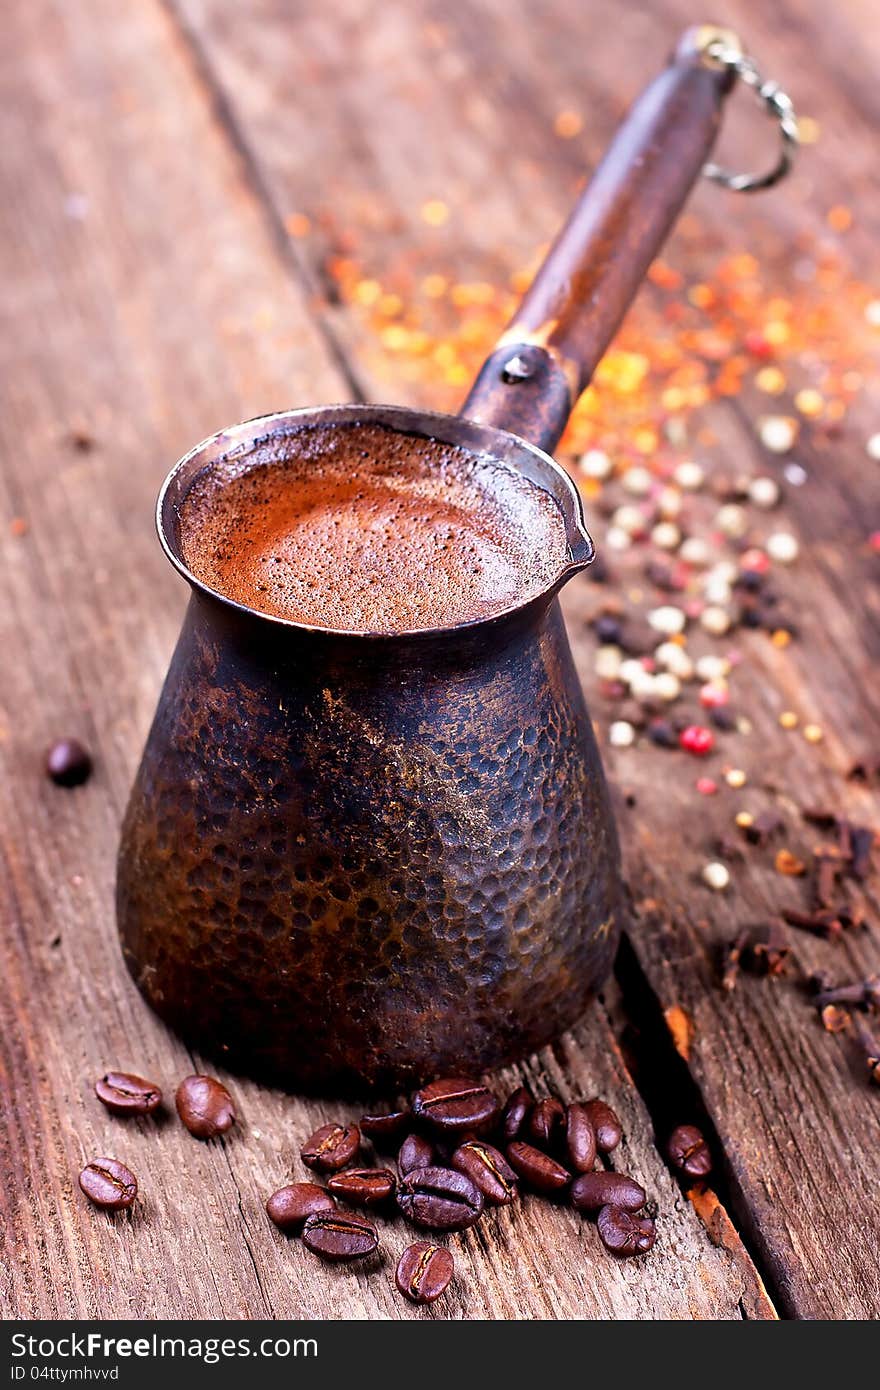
(769, 949)
(871, 1047)
(861, 842)
(863, 993)
(763, 949)
(824, 924)
(732, 959)
(827, 863)
(867, 769)
(764, 827)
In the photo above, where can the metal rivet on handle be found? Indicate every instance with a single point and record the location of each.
(517, 369)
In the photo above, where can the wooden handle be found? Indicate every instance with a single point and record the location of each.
(548, 354)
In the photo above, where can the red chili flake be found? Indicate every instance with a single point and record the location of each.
(697, 739)
(835, 1019)
(706, 787)
(789, 864)
(713, 696)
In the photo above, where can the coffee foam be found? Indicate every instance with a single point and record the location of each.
(359, 527)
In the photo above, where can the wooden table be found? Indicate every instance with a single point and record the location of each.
(179, 181)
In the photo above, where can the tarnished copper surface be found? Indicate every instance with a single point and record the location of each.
(338, 869)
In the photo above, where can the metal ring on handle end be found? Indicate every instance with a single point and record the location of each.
(724, 49)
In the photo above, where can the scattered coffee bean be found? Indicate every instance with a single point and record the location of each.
(488, 1170)
(515, 1113)
(68, 763)
(363, 1187)
(335, 1237)
(689, 1151)
(109, 1184)
(537, 1169)
(440, 1199)
(415, 1152)
(609, 1130)
(386, 1130)
(580, 1138)
(456, 1104)
(204, 1106)
(331, 1147)
(591, 1191)
(290, 1206)
(424, 1271)
(126, 1094)
(624, 1233)
(546, 1121)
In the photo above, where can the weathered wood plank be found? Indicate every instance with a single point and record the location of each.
(152, 303)
(458, 105)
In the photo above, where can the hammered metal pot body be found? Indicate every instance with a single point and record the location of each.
(353, 859)
(341, 867)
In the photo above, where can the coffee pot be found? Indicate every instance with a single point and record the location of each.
(358, 859)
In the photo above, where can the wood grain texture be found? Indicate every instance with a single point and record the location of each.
(459, 103)
(152, 301)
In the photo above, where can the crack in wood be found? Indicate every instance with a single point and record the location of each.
(672, 1096)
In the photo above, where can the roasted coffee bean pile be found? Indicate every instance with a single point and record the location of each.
(458, 1153)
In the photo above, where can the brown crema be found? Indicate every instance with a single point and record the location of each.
(365, 529)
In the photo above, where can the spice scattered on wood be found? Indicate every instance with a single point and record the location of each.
(763, 827)
(835, 1019)
(870, 1045)
(857, 993)
(789, 864)
(762, 950)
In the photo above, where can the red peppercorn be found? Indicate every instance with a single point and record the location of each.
(697, 740)
(756, 344)
(706, 787)
(754, 561)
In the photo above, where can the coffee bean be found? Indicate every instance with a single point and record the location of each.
(424, 1271)
(386, 1130)
(537, 1169)
(440, 1199)
(488, 1170)
(126, 1094)
(580, 1138)
(68, 763)
(415, 1152)
(515, 1113)
(290, 1206)
(331, 1147)
(336, 1237)
(109, 1184)
(363, 1187)
(624, 1233)
(591, 1191)
(689, 1151)
(546, 1121)
(609, 1130)
(456, 1104)
(204, 1106)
